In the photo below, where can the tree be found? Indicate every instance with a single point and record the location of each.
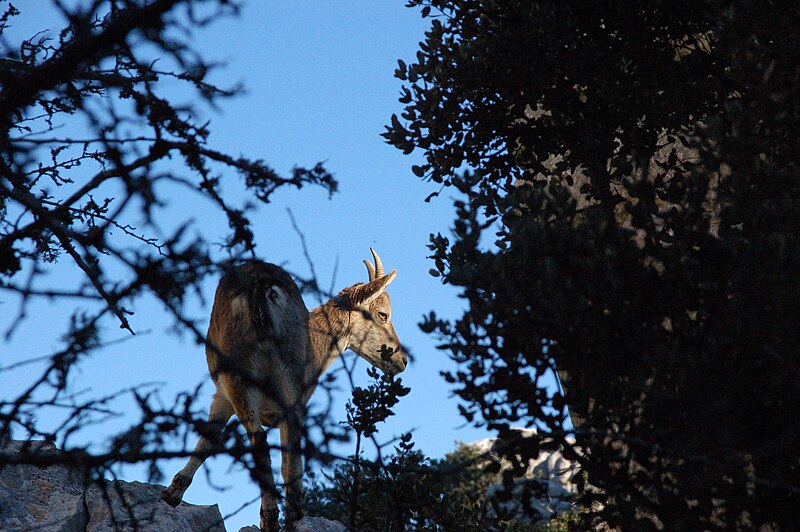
(408, 491)
(93, 138)
(629, 216)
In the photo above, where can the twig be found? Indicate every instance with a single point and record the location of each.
(29, 201)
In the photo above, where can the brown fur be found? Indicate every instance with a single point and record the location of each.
(265, 352)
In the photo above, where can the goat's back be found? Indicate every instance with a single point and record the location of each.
(259, 323)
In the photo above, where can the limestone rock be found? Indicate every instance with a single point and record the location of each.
(40, 498)
(547, 483)
(117, 504)
(318, 524)
(308, 524)
(56, 498)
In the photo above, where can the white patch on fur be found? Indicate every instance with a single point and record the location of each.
(239, 306)
(280, 309)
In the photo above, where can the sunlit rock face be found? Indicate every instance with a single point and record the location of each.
(548, 483)
(57, 498)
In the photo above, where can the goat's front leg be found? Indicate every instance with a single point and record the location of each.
(219, 414)
(292, 464)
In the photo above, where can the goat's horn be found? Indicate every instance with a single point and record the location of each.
(378, 264)
(370, 270)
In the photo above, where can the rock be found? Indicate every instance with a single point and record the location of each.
(318, 524)
(308, 524)
(118, 504)
(57, 498)
(549, 465)
(546, 499)
(40, 498)
(547, 483)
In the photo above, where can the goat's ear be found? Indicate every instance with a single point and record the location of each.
(363, 294)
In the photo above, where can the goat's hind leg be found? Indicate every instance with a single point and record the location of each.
(220, 412)
(292, 463)
(262, 473)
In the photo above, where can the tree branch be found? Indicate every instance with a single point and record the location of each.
(29, 201)
(20, 92)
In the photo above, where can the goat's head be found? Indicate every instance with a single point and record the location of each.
(372, 335)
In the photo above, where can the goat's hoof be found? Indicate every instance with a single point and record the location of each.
(170, 497)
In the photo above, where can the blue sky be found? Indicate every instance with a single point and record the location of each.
(320, 87)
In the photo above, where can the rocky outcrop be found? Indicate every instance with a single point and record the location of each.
(308, 524)
(36, 498)
(318, 524)
(117, 505)
(547, 485)
(57, 498)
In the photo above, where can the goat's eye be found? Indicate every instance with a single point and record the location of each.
(383, 316)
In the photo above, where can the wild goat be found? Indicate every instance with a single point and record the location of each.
(265, 352)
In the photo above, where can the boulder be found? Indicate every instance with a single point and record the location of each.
(58, 498)
(115, 505)
(318, 524)
(40, 498)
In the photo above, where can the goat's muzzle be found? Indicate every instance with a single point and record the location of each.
(399, 362)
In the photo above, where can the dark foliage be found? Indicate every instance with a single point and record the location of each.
(630, 215)
(368, 407)
(406, 491)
